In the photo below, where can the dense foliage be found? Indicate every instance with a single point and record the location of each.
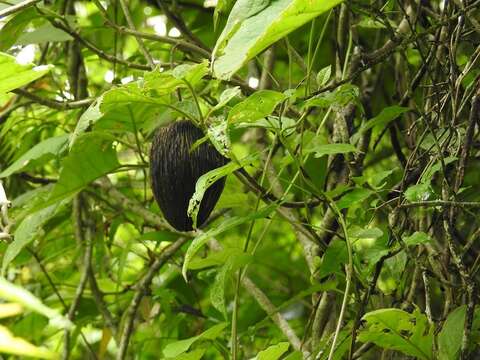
(348, 227)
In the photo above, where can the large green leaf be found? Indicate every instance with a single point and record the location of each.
(51, 146)
(15, 75)
(253, 25)
(398, 330)
(91, 157)
(26, 232)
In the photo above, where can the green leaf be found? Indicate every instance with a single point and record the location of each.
(353, 197)
(417, 238)
(51, 146)
(340, 97)
(253, 25)
(192, 73)
(450, 337)
(273, 352)
(324, 75)
(43, 34)
(222, 7)
(10, 344)
(91, 157)
(142, 98)
(218, 134)
(256, 106)
(17, 294)
(433, 169)
(88, 118)
(296, 355)
(178, 347)
(196, 354)
(398, 330)
(201, 239)
(15, 27)
(369, 233)
(329, 149)
(236, 259)
(335, 255)
(341, 348)
(14, 75)
(419, 192)
(217, 291)
(26, 232)
(207, 180)
(386, 115)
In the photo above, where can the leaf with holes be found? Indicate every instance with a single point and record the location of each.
(398, 330)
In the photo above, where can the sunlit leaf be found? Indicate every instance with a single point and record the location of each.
(14, 75)
(252, 26)
(273, 352)
(256, 106)
(10, 344)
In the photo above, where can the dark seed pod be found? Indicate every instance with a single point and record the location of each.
(175, 170)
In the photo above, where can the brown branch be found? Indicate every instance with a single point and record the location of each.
(17, 7)
(54, 104)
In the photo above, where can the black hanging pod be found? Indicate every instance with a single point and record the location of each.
(175, 170)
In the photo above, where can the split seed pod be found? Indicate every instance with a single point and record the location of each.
(175, 169)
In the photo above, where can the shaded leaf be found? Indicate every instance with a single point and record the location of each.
(353, 197)
(91, 157)
(329, 149)
(386, 115)
(26, 232)
(51, 146)
(417, 238)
